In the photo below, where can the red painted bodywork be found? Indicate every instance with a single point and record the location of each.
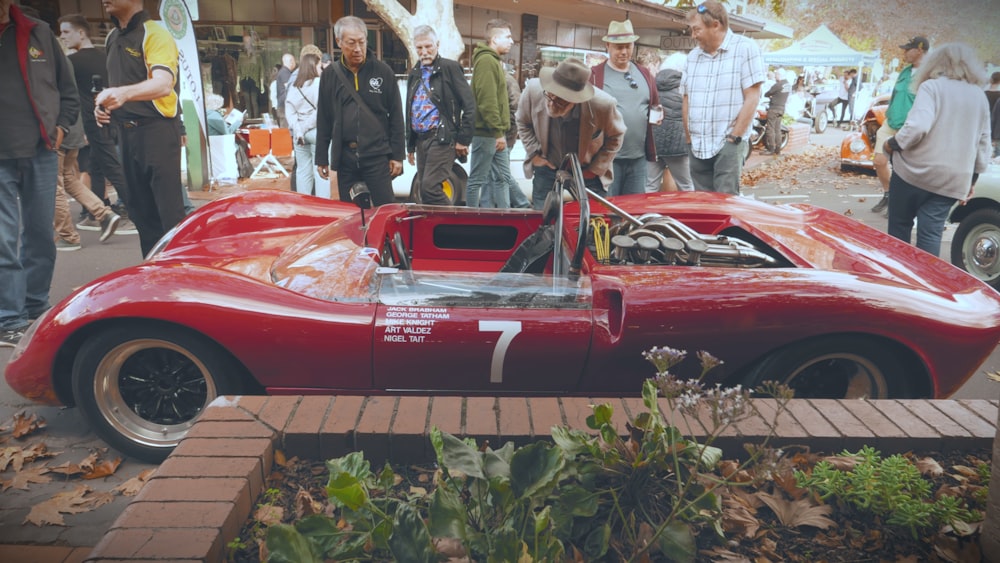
(283, 283)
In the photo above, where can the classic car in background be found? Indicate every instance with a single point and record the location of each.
(976, 245)
(282, 293)
(857, 148)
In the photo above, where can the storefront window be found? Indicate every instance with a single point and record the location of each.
(237, 62)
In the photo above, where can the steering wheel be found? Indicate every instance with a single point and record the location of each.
(574, 181)
(402, 257)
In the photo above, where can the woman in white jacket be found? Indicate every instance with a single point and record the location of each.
(300, 110)
(942, 147)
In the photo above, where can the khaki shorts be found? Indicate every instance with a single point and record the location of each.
(883, 133)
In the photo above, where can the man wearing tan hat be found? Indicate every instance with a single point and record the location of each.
(634, 88)
(559, 113)
(721, 88)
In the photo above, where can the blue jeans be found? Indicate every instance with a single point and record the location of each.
(27, 240)
(517, 198)
(490, 170)
(543, 179)
(930, 209)
(305, 171)
(630, 177)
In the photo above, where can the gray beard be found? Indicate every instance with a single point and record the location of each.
(554, 113)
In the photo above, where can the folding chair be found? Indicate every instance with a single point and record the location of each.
(277, 141)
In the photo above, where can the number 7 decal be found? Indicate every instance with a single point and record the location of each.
(508, 330)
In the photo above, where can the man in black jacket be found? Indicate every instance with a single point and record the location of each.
(777, 96)
(440, 109)
(359, 118)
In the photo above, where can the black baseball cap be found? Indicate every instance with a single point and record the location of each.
(917, 42)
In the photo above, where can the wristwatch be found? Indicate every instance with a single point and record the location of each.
(734, 139)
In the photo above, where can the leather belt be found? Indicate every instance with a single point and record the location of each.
(133, 123)
(422, 136)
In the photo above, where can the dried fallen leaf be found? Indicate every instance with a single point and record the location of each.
(720, 555)
(26, 476)
(26, 424)
(269, 515)
(306, 505)
(795, 513)
(132, 487)
(71, 502)
(993, 375)
(738, 519)
(449, 547)
(104, 469)
(965, 471)
(71, 469)
(16, 456)
(929, 467)
(956, 550)
(279, 458)
(842, 462)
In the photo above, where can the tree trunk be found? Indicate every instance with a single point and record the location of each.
(439, 14)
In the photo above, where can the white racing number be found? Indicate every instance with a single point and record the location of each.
(508, 330)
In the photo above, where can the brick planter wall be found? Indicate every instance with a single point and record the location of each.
(199, 498)
(798, 137)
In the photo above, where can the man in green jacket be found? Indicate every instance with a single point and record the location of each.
(895, 115)
(489, 143)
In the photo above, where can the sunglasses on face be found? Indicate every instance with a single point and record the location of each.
(631, 81)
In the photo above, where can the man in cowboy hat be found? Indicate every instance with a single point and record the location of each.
(721, 88)
(559, 113)
(635, 90)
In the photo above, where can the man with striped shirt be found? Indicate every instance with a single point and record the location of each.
(721, 88)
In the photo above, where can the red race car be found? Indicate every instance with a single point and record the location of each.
(281, 293)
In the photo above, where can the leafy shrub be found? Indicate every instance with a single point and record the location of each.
(617, 494)
(891, 488)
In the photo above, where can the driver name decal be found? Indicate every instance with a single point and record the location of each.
(411, 324)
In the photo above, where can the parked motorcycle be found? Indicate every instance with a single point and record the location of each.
(756, 138)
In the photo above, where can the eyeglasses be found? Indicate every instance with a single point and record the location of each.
(631, 81)
(353, 43)
(556, 100)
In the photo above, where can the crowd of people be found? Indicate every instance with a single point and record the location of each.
(636, 124)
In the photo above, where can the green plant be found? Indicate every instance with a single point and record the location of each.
(615, 495)
(890, 488)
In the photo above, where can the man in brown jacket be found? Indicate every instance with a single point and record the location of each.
(561, 112)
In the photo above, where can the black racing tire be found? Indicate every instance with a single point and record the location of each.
(142, 386)
(976, 245)
(784, 138)
(836, 367)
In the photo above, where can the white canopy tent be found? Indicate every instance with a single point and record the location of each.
(820, 48)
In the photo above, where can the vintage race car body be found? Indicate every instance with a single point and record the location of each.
(857, 148)
(276, 292)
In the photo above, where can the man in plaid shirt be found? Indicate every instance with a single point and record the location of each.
(721, 88)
